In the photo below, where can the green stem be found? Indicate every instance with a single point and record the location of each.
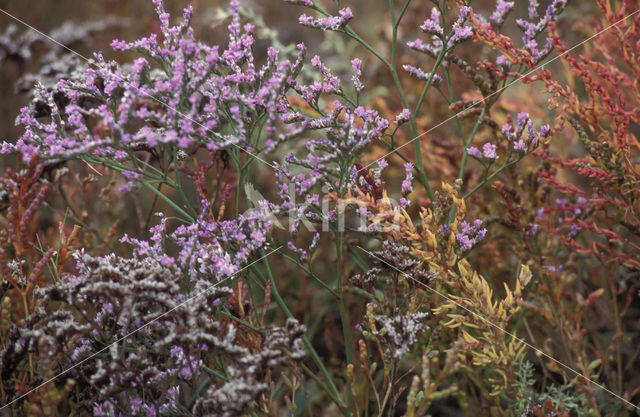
(449, 101)
(439, 59)
(396, 80)
(465, 154)
(117, 167)
(343, 313)
(310, 273)
(179, 185)
(321, 384)
(344, 318)
(402, 12)
(305, 340)
(169, 201)
(215, 373)
(414, 125)
(243, 322)
(465, 157)
(368, 47)
(241, 178)
(422, 178)
(393, 149)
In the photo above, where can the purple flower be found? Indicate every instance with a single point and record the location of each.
(489, 151)
(362, 211)
(519, 145)
(407, 187)
(329, 22)
(522, 118)
(461, 31)
(329, 84)
(544, 131)
(574, 230)
(150, 411)
(503, 61)
(502, 9)
(377, 173)
(307, 3)
(432, 24)
(421, 75)
(515, 132)
(464, 241)
(356, 64)
(119, 45)
(473, 151)
(344, 132)
(533, 9)
(136, 403)
(403, 117)
(173, 392)
(469, 234)
(532, 29)
(214, 87)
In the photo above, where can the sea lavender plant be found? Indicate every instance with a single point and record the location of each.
(180, 95)
(115, 297)
(466, 247)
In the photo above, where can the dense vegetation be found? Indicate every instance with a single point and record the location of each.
(437, 216)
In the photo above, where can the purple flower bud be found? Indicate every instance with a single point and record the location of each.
(522, 119)
(407, 187)
(432, 25)
(403, 117)
(473, 151)
(356, 64)
(119, 45)
(502, 9)
(544, 130)
(502, 61)
(307, 3)
(421, 75)
(329, 22)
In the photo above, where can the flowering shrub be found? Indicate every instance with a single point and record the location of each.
(429, 223)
